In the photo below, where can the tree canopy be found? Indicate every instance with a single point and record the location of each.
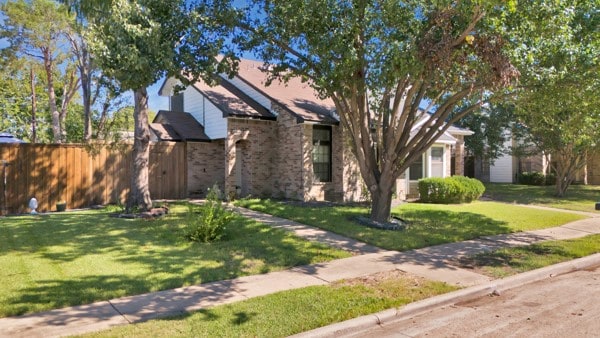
(140, 42)
(559, 103)
(378, 61)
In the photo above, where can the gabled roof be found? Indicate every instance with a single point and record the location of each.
(455, 130)
(177, 126)
(232, 101)
(295, 96)
(448, 137)
(165, 132)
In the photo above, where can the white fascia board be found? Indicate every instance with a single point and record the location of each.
(168, 87)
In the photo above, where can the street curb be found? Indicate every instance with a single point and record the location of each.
(356, 325)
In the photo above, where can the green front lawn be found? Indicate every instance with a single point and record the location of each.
(289, 312)
(578, 197)
(429, 224)
(511, 261)
(65, 259)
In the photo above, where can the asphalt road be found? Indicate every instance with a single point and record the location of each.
(562, 306)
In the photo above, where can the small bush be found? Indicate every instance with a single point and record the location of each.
(531, 178)
(209, 223)
(473, 188)
(455, 189)
(536, 178)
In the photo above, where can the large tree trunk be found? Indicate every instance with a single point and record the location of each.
(86, 91)
(69, 90)
(84, 65)
(139, 194)
(569, 161)
(48, 65)
(33, 107)
(562, 184)
(87, 110)
(381, 203)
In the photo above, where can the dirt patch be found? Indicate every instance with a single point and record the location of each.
(151, 214)
(381, 277)
(480, 263)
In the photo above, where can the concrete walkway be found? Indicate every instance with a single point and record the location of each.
(431, 263)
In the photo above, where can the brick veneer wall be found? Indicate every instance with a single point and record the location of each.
(294, 176)
(354, 189)
(288, 180)
(276, 161)
(459, 156)
(256, 139)
(594, 170)
(331, 191)
(206, 166)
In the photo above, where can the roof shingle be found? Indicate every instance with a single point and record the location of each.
(177, 126)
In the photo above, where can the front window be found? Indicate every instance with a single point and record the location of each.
(416, 169)
(437, 162)
(322, 153)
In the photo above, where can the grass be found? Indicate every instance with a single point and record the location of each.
(288, 312)
(429, 224)
(578, 197)
(72, 258)
(511, 261)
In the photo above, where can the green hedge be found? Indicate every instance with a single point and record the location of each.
(455, 189)
(536, 178)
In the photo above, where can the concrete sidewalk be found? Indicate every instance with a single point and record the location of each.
(431, 263)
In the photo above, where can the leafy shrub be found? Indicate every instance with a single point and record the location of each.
(536, 178)
(209, 223)
(473, 187)
(439, 190)
(455, 189)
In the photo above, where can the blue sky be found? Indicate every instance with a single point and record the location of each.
(155, 101)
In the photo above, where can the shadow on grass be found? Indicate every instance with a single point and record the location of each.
(516, 257)
(426, 227)
(543, 195)
(140, 256)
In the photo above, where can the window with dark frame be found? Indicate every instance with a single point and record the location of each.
(322, 153)
(416, 169)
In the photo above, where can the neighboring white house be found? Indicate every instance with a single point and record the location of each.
(506, 168)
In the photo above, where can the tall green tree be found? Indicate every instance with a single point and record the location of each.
(559, 103)
(140, 42)
(491, 126)
(34, 29)
(377, 61)
(23, 99)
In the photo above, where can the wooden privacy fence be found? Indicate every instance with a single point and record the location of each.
(84, 176)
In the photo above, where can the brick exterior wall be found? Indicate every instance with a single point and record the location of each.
(288, 177)
(353, 187)
(459, 156)
(276, 161)
(206, 166)
(320, 191)
(593, 166)
(533, 163)
(253, 140)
